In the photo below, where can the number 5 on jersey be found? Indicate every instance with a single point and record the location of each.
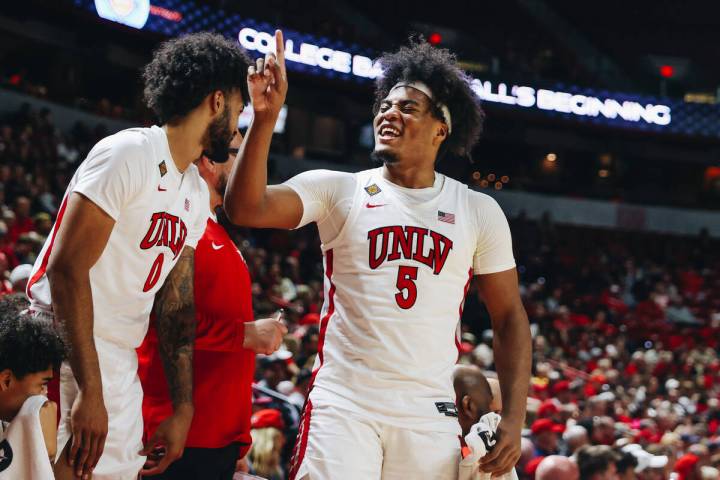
(407, 290)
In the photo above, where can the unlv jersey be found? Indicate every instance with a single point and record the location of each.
(157, 210)
(396, 276)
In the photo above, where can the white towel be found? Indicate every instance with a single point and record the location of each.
(480, 440)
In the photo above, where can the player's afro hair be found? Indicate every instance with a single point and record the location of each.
(184, 70)
(438, 69)
(27, 345)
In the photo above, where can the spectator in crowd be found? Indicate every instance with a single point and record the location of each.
(597, 462)
(267, 445)
(556, 467)
(626, 465)
(575, 437)
(545, 437)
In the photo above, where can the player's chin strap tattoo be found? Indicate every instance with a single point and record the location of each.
(174, 310)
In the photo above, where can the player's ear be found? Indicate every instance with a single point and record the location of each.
(440, 134)
(469, 406)
(5, 379)
(217, 102)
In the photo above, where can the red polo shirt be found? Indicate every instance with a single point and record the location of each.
(223, 370)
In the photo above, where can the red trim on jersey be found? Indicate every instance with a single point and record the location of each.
(299, 453)
(460, 311)
(43, 266)
(328, 314)
(301, 445)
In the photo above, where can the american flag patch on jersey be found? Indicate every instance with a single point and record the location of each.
(446, 217)
(187, 205)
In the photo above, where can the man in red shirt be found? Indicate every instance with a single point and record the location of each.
(226, 342)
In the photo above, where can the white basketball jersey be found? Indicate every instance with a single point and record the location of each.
(23, 454)
(157, 210)
(396, 276)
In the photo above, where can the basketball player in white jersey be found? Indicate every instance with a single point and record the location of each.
(401, 244)
(123, 244)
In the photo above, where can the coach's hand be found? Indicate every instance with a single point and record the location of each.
(168, 442)
(264, 335)
(506, 453)
(267, 81)
(89, 424)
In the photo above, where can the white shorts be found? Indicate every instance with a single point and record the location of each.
(122, 393)
(338, 444)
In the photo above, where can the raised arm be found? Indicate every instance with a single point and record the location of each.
(81, 238)
(512, 350)
(248, 199)
(174, 311)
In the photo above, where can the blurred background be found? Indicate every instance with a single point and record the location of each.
(602, 145)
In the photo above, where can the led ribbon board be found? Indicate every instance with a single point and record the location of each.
(303, 52)
(335, 59)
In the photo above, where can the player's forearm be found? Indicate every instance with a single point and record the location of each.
(73, 310)
(247, 185)
(174, 310)
(512, 347)
(175, 337)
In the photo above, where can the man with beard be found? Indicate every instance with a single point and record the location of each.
(226, 342)
(401, 244)
(123, 245)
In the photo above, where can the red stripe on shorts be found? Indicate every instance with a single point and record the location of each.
(301, 445)
(299, 452)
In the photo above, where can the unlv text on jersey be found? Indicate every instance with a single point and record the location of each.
(396, 241)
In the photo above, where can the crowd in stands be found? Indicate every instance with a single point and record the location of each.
(626, 326)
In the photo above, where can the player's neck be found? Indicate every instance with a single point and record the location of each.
(410, 176)
(184, 140)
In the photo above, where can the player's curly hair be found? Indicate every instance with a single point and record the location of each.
(27, 345)
(184, 70)
(438, 69)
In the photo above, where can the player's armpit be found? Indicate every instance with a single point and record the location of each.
(174, 311)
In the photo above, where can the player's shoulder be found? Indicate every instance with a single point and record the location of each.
(484, 208)
(325, 174)
(135, 148)
(481, 200)
(130, 141)
(324, 180)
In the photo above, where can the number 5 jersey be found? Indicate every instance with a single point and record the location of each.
(398, 264)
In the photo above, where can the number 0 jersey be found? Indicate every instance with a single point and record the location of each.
(157, 210)
(398, 264)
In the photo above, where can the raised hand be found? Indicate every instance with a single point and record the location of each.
(267, 80)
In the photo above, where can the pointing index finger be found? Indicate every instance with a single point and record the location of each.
(280, 50)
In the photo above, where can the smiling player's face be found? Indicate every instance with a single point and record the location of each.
(405, 127)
